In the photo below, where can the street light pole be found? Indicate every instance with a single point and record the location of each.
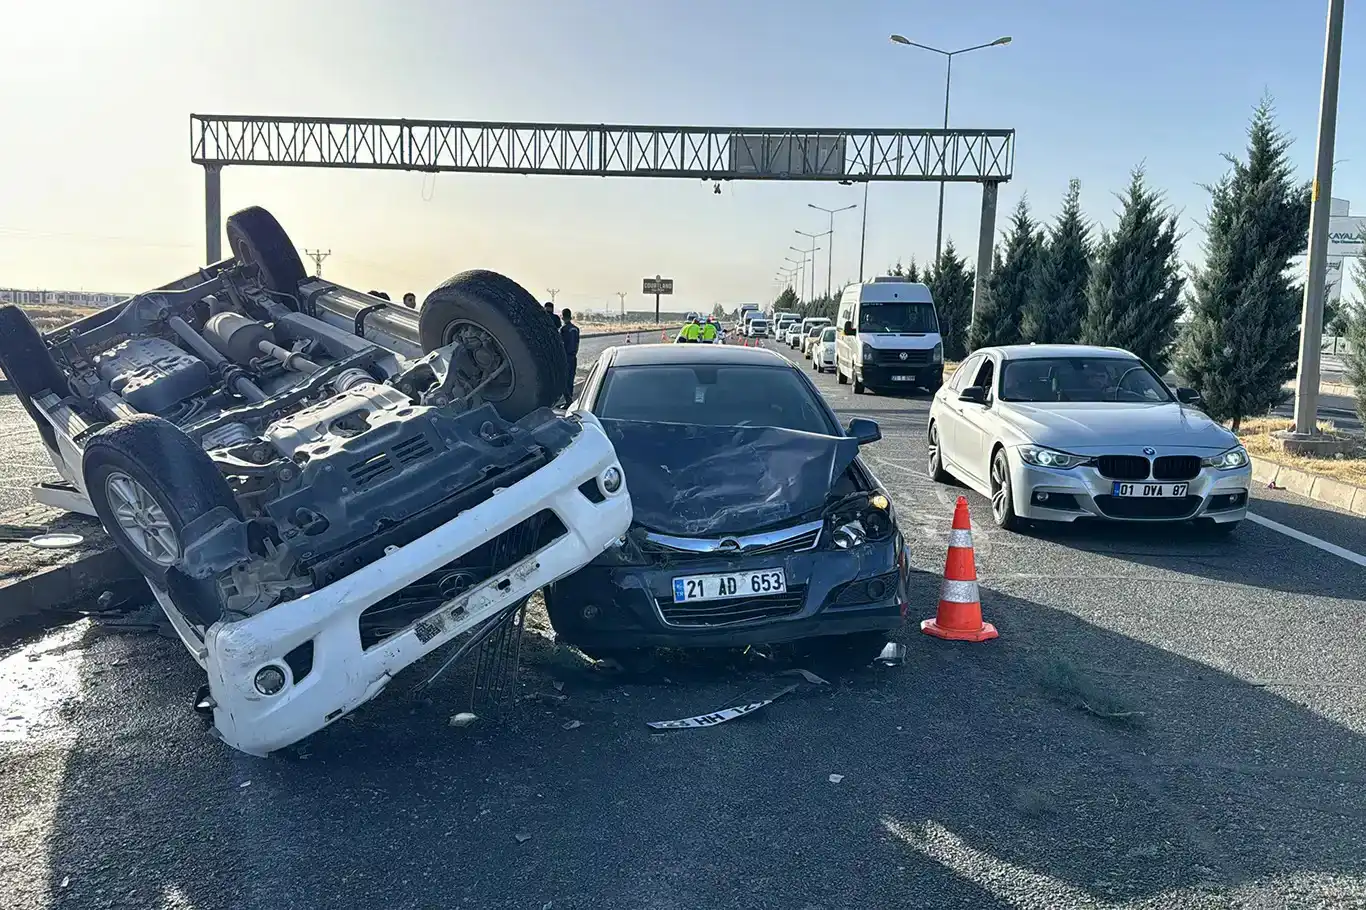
(863, 235)
(1311, 325)
(943, 149)
(830, 253)
(812, 251)
(799, 267)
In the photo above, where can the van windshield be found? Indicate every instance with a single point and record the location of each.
(912, 318)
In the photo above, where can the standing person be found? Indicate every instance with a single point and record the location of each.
(410, 300)
(569, 335)
(709, 331)
(550, 311)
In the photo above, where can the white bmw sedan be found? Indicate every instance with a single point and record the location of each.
(1062, 432)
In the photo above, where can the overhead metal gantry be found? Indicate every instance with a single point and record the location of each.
(604, 150)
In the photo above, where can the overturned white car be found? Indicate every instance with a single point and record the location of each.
(320, 487)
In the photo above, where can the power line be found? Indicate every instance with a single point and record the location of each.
(317, 256)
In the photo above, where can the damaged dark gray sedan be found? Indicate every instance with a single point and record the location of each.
(755, 523)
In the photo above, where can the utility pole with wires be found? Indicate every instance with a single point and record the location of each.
(621, 295)
(552, 292)
(317, 256)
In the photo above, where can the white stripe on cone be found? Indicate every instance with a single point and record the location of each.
(959, 592)
(960, 538)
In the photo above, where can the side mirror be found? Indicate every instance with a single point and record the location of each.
(864, 430)
(1188, 396)
(849, 329)
(973, 394)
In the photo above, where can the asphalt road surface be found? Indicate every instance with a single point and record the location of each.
(1166, 721)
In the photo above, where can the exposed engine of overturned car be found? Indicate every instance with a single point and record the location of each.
(319, 486)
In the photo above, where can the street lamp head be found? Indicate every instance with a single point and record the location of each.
(900, 39)
(1001, 42)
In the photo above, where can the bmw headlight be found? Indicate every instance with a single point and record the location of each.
(937, 356)
(867, 352)
(1042, 457)
(1235, 457)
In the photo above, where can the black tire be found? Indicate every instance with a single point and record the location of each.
(1003, 512)
(859, 387)
(178, 475)
(506, 311)
(839, 374)
(255, 236)
(936, 457)
(29, 367)
(841, 652)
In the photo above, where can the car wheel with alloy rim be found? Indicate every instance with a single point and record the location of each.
(1002, 496)
(936, 461)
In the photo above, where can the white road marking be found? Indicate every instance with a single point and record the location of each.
(1313, 541)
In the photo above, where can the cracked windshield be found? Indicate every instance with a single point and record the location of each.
(730, 455)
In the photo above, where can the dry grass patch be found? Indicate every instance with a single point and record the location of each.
(1255, 436)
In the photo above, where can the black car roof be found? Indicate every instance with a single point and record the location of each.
(650, 354)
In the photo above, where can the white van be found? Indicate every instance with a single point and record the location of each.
(887, 336)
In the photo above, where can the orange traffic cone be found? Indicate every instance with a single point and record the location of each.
(960, 607)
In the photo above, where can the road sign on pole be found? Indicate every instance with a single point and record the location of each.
(658, 286)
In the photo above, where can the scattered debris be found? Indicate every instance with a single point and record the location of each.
(559, 686)
(719, 717)
(572, 725)
(56, 541)
(836, 778)
(806, 675)
(1112, 715)
(463, 719)
(66, 881)
(893, 655)
(244, 784)
(522, 837)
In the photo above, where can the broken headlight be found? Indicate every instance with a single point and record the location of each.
(861, 519)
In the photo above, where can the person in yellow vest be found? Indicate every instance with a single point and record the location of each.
(709, 331)
(692, 331)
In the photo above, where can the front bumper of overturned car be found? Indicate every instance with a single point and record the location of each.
(1083, 493)
(344, 675)
(604, 607)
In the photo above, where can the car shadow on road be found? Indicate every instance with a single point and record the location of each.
(1281, 563)
(1062, 758)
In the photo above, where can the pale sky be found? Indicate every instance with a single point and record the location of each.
(97, 190)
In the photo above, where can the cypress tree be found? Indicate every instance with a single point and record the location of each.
(1133, 297)
(997, 320)
(1057, 296)
(1243, 339)
(951, 285)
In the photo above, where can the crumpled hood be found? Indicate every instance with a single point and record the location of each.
(1078, 425)
(697, 481)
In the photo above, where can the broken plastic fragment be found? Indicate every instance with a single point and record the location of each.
(573, 725)
(806, 675)
(893, 654)
(836, 778)
(522, 837)
(463, 719)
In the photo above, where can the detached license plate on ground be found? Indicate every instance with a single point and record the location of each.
(1151, 490)
(731, 584)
